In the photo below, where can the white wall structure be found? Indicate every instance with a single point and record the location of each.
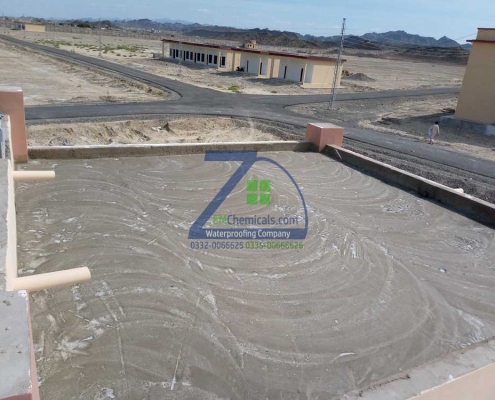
(309, 71)
(250, 63)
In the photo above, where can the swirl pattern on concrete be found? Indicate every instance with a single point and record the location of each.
(386, 281)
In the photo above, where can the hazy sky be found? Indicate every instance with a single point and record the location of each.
(453, 18)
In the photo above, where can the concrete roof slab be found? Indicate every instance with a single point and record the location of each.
(386, 281)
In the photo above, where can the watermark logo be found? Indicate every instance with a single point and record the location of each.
(258, 193)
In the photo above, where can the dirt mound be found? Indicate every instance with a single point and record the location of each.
(359, 77)
(175, 130)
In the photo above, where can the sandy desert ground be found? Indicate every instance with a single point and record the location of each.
(45, 80)
(137, 53)
(409, 117)
(173, 130)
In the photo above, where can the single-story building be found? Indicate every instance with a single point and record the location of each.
(477, 99)
(310, 71)
(21, 26)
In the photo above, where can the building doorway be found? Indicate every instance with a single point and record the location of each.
(247, 65)
(285, 72)
(261, 68)
(302, 75)
(215, 60)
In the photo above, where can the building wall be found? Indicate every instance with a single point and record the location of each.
(253, 63)
(309, 72)
(265, 66)
(228, 54)
(486, 34)
(236, 60)
(316, 73)
(295, 66)
(35, 28)
(275, 67)
(229, 59)
(321, 74)
(477, 98)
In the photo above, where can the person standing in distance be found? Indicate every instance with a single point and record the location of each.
(434, 132)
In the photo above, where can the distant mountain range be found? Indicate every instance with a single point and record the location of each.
(287, 38)
(401, 37)
(394, 38)
(369, 41)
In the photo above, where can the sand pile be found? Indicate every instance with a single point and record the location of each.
(359, 77)
(175, 130)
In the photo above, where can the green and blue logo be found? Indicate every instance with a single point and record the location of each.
(258, 193)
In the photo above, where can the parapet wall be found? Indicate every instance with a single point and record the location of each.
(143, 150)
(472, 207)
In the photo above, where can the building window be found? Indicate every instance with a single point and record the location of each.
(222, 61)
(210, 58)
(203, 57)
(191, 55)
(215, 61)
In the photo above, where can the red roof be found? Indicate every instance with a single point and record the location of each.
(274, 53)
(480, 41)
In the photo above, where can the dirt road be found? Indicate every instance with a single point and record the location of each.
(408, 117)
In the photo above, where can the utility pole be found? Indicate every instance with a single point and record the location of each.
(99, 37)
(180, 52)
(337, 68)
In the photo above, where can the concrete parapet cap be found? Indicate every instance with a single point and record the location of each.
(10, 89)
(324, 133)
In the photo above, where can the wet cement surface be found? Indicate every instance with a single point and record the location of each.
(385, 282)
